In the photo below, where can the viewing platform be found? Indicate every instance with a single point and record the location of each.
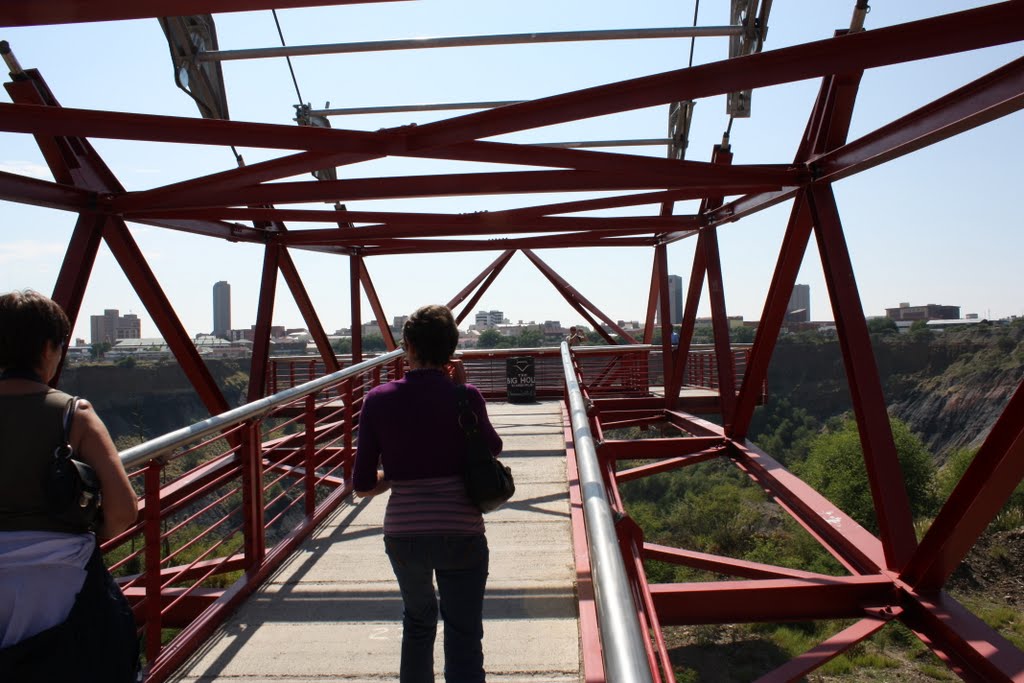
(333, 610)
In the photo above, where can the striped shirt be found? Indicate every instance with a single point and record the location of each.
(431, 506)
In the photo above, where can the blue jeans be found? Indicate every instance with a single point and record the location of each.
(460, 563)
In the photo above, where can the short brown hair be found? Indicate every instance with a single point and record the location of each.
(28, 320)
(432, 331)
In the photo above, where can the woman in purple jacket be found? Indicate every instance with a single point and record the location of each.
(410, 428)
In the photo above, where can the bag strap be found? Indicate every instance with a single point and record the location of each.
(64, 450)
(468, 420)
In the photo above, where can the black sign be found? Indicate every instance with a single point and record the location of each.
(519, 382)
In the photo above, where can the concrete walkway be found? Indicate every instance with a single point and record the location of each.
(333, 612)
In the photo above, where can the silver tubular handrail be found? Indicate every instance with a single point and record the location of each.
(622, 639)
(143, 453)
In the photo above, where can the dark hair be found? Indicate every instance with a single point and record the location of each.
(432, 331)
(28, 320)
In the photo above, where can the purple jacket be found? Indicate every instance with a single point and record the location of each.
(411, 427)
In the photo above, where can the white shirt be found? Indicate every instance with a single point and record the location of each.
(41, 572)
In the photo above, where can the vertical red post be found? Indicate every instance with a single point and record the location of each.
(152, 520)
(355, 265)
(251, 459)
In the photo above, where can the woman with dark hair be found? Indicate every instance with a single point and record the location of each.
(410, 428)
(76, 625)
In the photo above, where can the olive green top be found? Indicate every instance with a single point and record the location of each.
(30, 431)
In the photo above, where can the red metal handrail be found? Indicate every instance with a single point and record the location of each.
(223, 503)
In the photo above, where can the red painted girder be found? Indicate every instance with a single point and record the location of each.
(885, 476)
(264, 321)
(186, 606)
(305, 305)
(376, 307)
(801, 665)
(791, 255)
(637, 199)
(770, 600)
(725, 565)
(90, 123)
(355, 266)
(826, 128)
(400, 246)
(495, 270)
(661, 285)
(44, 12)
(761, 177)
(75, 271)
(571, 294)
(144, 282)
(972, 649)
(682, 351)
(947, 34)
(36, 192)
(983, 490)
(669, 465)
(394, 224)
(475, 282)
(391, 236)
(847, 541)
(645, 449)
(720, 325)
(693, 424)
(652, 298)
(456, 184)
(232, 232)
(750, 204)
(992, 96)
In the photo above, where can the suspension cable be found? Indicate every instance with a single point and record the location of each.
(280, 33)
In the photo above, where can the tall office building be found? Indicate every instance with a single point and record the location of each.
(112, 326)
(675, 301)
(799, 309)
(222, 310)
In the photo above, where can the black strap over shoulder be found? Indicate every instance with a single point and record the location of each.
(64, 450)
(468, 419)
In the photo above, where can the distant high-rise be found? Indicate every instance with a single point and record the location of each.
(222, 310)
(799, 309)
(112, 326)
(675, 301)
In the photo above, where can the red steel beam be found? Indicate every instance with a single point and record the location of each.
(570, 292)
(992, 96)
(375, 306)
(947, 34)
(142, 279)
(44, 12)
(36, 192)
(991, 478)
(847, 541)
(728, 566)
(798, 667)
(355, 266)
(646, 449)
(791, 256)
(475, 282)
(75, 271)
(491, 275)
(316, 329)
(682, 351)
(768, 600)
(664, 308)
(885, 476)
(667, 465)
(264, 321)
(971, 648)
(827, 127)
(457, 184)
(652, 298)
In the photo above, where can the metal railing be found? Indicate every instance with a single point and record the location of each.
(225, 501)
(626, 370)
(623, 642)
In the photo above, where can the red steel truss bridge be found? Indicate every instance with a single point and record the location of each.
(284, 457)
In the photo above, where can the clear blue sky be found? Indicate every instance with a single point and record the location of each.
(940, 226)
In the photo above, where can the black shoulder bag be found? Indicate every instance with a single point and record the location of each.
(489, 483)
(72, 487)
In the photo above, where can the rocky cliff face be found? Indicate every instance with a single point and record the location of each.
(949, 390)
(149, 399)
